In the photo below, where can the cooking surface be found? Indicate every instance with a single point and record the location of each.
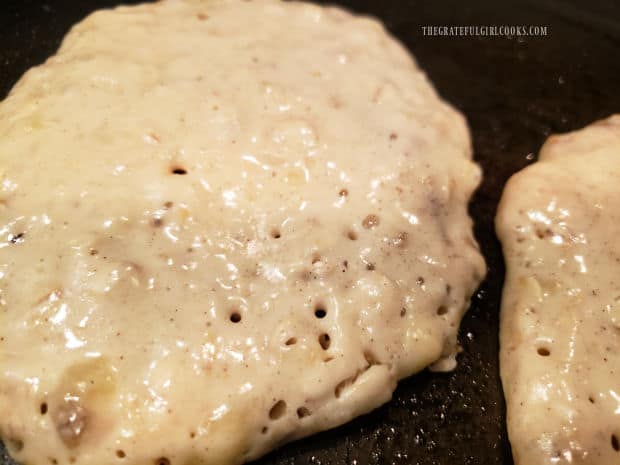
(514, 92)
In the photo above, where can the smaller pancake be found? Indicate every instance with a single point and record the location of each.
(559, 223)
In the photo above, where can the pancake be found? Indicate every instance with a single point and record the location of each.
(559, 225)
(224, 226)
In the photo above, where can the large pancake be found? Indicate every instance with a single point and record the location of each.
(225, 225)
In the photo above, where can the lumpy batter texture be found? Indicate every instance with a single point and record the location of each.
(223, 226)
(559, 222)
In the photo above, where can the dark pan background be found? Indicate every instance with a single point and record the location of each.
(514, 91)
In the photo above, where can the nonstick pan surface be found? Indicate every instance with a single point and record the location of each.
(514, 91)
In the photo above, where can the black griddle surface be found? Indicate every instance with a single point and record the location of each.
(514, 91)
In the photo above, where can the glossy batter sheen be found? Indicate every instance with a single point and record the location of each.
(224, 226)
(559, 223)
